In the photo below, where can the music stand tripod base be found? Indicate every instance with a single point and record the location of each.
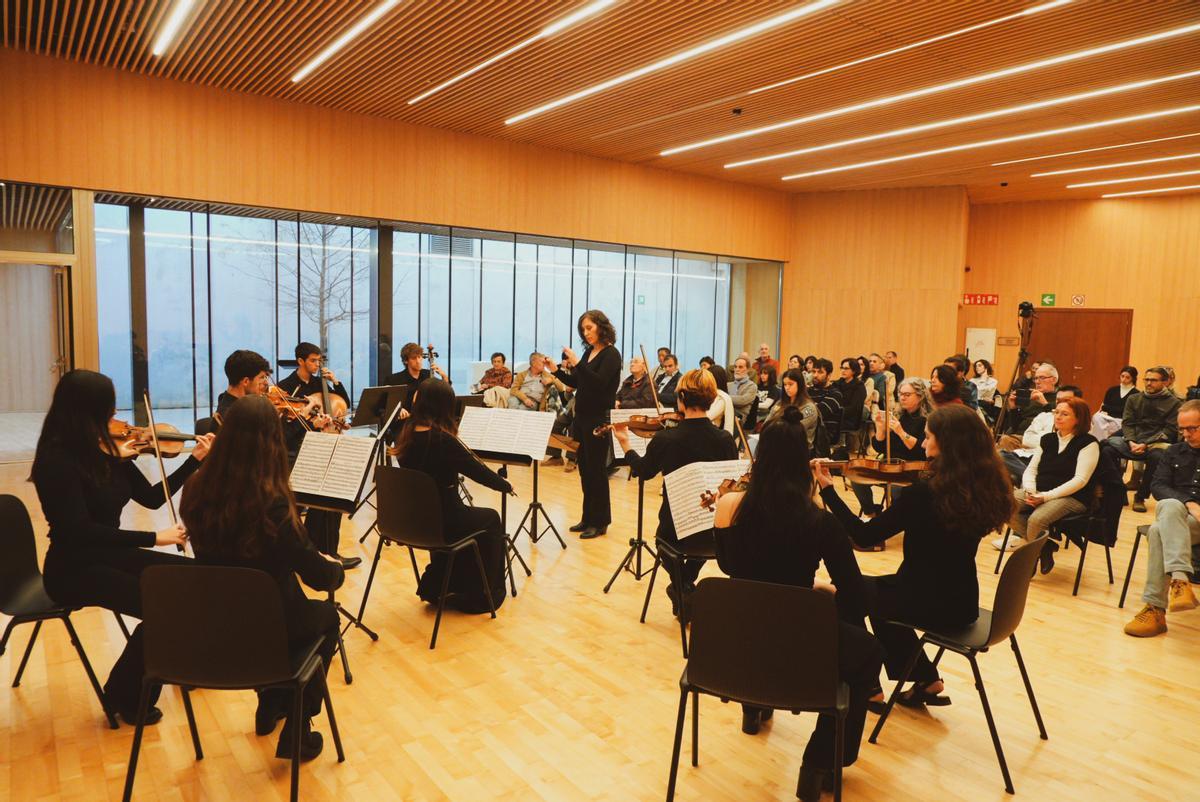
(632, 562)
(529, 521)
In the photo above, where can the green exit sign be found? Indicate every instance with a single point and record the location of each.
(1047, 299)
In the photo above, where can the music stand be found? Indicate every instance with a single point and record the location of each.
(529, 521)
(376, 406)
(510, 544)
(636, 544)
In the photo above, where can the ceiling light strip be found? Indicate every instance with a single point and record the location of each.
(1117, 164)
(677, 58)
(172, 26)
(978, 27)
(1094, 150)
(1000, 141)
(970, 118)
(1149, 191)
(932, 90)
(578, 16)
(1136, 178)
(345, 39)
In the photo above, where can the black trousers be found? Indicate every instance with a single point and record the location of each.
(109, 578)
(689, 567)
(465, 593)
(324, 529)
(859, 658)
(593, 474)
(885, 603)
(315, 617)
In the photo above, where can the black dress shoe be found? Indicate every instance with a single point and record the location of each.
(266, 717)
(153, 716)
(311, 742)
(593, 531)
(579, 527)
(1046, 558)
(812, 782)
(750, 719)
(348, 562)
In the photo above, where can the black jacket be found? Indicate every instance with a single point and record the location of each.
(595, 382)
(666, 390)
(1178, 474)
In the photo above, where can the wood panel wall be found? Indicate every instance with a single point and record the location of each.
(77, 125)
(876, 271)
(1139, 254)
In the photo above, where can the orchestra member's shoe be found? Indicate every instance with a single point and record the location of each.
(552, 461)
(1149, 622)
(311, 742)
(1180, 596)
(812, 782)
(1139, 504)
(267, 715)
(579, 527)
(919, 695)
(592, 532)
(153, 716)
(348, 562)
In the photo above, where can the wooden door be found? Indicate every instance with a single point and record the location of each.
(1088, 346)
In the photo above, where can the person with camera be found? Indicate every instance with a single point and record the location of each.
(1025, 405)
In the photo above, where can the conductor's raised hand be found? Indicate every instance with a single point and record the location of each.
(549, 364)
(569, 356)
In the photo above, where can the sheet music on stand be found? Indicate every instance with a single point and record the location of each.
(506, 431)
(335, 471)
(636, 442)
(688, 487)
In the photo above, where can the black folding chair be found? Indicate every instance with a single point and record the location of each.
(233, 637)
(676, 552)
(410, 515)
(23, 595)
(766, 645)
(991, 628)
(1142, 531)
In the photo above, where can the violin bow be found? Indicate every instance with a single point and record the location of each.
(653, 390)
(162, 469)
(295, 415)
(745, 442)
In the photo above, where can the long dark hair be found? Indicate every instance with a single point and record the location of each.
(433, 407)
(84, 402)
(720, 376)
(226, 502)
(780, 493)
(951, 385)
(971, 488)
(606, 333)
(796, 375)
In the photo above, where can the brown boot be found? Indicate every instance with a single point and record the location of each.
(1149, 622)
(1180, 596)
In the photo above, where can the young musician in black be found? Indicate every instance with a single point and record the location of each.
(595, 375)
(428, 443)
(413, 374)
(695, 439)
(92, 561)
(243, 513)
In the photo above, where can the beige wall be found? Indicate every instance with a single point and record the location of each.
(876, 271)
(1140, 254)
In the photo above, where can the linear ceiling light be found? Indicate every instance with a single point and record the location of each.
(172, 26)
(345, 39)
(587, 11)
(1136, 178)
(683, 55)
(1000, 141)
(987, 115)
(1094, 150)
(1118, 164)
(978, 27)
(932, 90)
(1149, 191)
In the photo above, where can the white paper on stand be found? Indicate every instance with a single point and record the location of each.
(506, 431)
(690, 488)
(636, 443)
(331, 465)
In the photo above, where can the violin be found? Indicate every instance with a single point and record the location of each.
(131, 441)
(891, 471)
(642, 425)
(291, 406)
(709, 499)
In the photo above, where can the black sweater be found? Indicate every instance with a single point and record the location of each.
(936, 579)
(443, 457)
(1114, 402)
(853, 394)
(292, 385)
(693, 440)
(913, 425)
(595, 381)
(84, 514)
(293, 429)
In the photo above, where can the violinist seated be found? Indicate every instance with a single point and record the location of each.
(241, 512)
(428, 443)
(775, 532)
(694, 439)
(1060, 478)
(83, 488)
(965, 494)
(905, 431)
(305, 382)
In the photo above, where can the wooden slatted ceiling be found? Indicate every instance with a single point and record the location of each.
(25, 207)
(256, 47)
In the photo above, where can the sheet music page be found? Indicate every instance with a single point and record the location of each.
(308, 472)
(506, 431)
(352, 459)
(636, 443)
(687, 488)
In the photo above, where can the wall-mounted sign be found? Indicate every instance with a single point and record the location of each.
(1077, 300)
(1047, 299)
(1008, 341)
(981, 299)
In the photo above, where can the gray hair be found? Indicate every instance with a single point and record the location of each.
(536, 355)
(1053, 371)
(921, 388)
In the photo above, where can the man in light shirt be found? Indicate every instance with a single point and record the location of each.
(743, 389)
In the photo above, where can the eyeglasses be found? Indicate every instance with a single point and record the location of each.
(907, 395)
(1189, 429)
(1043, 378)
(1152, 380)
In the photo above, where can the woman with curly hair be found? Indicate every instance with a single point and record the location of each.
(966, 494)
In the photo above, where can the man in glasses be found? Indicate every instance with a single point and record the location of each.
(1148, 427)
(1022, 411)
(1176, 528)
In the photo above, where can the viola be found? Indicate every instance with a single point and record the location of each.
(892, 471)
(709, 499)
(642, 425)
(290, 405)
(131, 441)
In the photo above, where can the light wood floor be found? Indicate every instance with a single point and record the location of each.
(567, 697)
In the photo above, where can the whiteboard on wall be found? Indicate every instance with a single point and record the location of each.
(981, 344)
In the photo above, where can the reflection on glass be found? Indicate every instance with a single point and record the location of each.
(406, 281)
(112, 299)
(466, 309)
(243, 290)
(496, 287)
(696, 296)
(652, 301)
(169, 308)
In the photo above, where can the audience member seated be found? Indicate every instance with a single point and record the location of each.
(795, 394)
(810, 365)
(853, 394)
(661, 353)
(721, 412)
(742, 389)
(768, 386)
(985, 387)
(945, 386)
(905, 431)
(706, 362)
(532, 388)
(1193, 392)
(1175, 531)
(1060, 478)
(764, 360)
(1107, 422)
(634, 392)
(794, 363)
(968, 390)
(883, 380)
(1147, 428)
(966, 495)
(667, 381)
(1022, 410)
(498, 375)
(828, 399)
(1026, 381)
(774, 532)
(893, 364)
(1017, 459)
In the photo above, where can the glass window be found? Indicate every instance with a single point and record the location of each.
(525, 302)
(653, 301)
(326, 293)
(605, 283)
(205, 397)
(112, 299)
(696, 296)
(360, 300)
(496, 287)
(243, 259)
(406, 284)
(435, 290)
(555, 328)
(169, 321)
(36, 218)
(466, 308)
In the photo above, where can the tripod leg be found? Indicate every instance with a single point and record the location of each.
(628, 556)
